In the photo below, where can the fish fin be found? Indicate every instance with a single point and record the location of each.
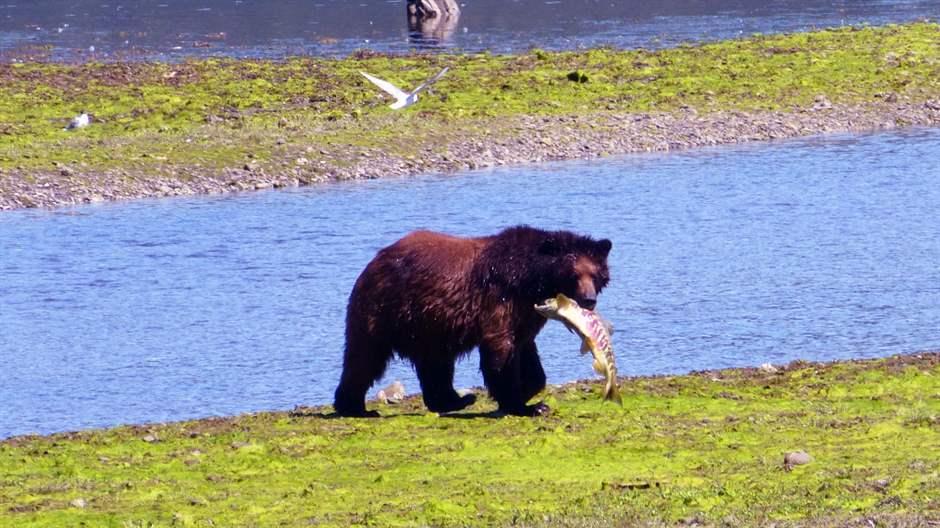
(585, 346)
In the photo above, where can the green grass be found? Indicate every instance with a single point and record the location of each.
(157, 118)
(706, 447)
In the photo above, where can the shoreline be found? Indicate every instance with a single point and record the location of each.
(413, 404)
(505, 142)
(842, 443)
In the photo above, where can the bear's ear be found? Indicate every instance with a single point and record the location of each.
(603, 247)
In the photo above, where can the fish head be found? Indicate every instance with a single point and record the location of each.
(548, 308)
(559, 307)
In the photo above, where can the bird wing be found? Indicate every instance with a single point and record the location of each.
(388, 87)
(430, 81)
(78, 121)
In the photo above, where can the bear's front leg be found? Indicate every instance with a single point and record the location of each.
(501, 362)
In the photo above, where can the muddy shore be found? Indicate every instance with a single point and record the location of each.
(512, 141)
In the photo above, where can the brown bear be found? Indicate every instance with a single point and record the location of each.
(433, 297)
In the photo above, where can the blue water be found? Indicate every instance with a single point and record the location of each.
(176, 29)
(819, 249)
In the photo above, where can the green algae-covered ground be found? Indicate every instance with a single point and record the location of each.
(206, 115)
(705, 448)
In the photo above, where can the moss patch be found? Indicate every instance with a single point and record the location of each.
(705, 448)
(200, 117)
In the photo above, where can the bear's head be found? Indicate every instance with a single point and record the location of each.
(527, 264)
(575, 266)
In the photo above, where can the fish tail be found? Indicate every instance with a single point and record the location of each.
(612, 393)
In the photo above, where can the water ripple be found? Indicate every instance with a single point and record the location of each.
(813, 249)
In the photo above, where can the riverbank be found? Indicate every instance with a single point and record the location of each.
(213, 126)
(703, 449)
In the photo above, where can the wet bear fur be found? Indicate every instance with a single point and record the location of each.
(433, 298)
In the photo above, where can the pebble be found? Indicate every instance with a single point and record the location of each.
(524, 139)
(796, 458)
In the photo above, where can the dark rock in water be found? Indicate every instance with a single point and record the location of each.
(432, 8)
(433, 20)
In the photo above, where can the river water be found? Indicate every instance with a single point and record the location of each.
(76, 30)
(819, 249)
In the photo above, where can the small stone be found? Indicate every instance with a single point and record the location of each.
(768, 368)
(78, 503)
(881, 485)
(394, 393)
(302, 161)
(821, 102)
(149, 439)
(578, 77)
(796, 458)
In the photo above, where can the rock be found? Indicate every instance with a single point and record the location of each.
(821, 102)
(149, 439)
(78, 503)
(881, 485)
(768, 368)
(394, 393)
(578, 77)
(796, 458)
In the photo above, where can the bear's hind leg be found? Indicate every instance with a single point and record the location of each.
(364, 362)
(437, 386)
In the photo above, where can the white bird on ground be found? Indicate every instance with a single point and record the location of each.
(79, 121)
(402, 99)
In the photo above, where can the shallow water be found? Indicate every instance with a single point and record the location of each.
(175, 29)
(819, 249)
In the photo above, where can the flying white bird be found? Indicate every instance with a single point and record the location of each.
(402, 99)
(79, 121)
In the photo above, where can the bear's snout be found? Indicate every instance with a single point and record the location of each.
(588, 303)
